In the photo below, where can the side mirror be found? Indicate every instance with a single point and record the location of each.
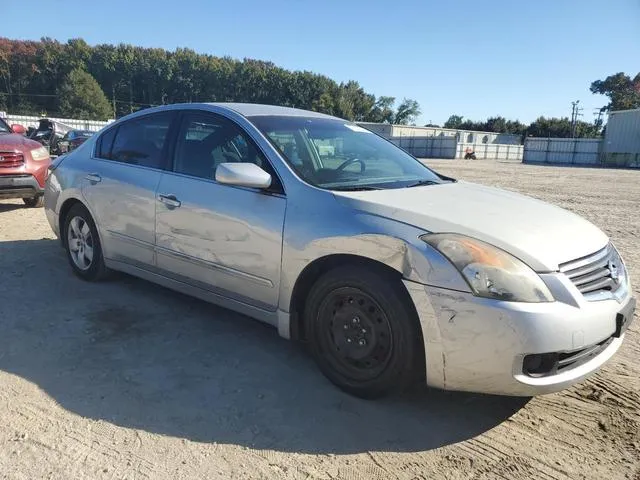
(243, 175)
(19, 129)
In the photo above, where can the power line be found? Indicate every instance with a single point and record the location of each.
(28, 94)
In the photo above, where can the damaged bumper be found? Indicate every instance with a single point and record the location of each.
(508, 348)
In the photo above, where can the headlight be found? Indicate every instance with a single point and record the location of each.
(39, 154)
(489, 271)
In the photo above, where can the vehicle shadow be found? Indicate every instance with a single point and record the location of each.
(9, 207)
(140, 356)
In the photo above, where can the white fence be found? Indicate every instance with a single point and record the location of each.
(448, 147)
(432, 142)
(427, 147)
(496, 151)
(29, 121)
(462, 136)
(574, 151)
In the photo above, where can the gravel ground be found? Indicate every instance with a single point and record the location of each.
(128, 380)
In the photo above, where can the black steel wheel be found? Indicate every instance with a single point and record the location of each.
(363, 331)
(356, 333)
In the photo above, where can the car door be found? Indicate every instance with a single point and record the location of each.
(121, 184)
(225, 239)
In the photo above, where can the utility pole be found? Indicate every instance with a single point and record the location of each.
(575, 113)
(113, 99)
(597, 113)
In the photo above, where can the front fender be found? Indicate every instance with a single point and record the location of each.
(310, 236)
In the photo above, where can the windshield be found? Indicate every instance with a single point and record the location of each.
(74, 134)
(81, 133)
(4, 127)
(338, 155)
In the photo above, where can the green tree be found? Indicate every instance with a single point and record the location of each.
(81, 97)
(407, 112)
(353, 103)
(516, 127)
(623, 92)
(588, 130)
(454, 121)
(550, 127)
(32, 74)
(382, 111)
(493, 124)
(496, 124)
(561, 128)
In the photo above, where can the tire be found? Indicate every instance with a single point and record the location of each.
(34, 202)
(82, 244)
(363, 331)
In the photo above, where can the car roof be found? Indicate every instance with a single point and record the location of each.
(256, 109)
(244, 109)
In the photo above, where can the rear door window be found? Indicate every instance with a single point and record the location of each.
(105, 143)
(142, 141)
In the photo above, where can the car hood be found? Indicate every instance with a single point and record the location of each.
(13, 141)
(540, 234)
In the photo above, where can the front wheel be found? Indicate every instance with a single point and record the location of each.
(363, 331)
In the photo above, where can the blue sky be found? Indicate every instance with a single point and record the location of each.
(473, 58)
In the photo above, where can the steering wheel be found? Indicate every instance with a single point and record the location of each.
(346, 163)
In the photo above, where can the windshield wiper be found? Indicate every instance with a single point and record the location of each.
(354, 188)
(420, 183)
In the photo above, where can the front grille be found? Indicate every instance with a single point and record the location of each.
(599, 272)
(11, 159)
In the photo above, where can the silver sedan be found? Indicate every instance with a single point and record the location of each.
(313, 224)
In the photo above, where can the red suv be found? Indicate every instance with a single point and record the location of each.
(23, 165)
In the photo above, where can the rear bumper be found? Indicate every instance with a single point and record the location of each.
(54, 222)
(19, 186)
(480, 345)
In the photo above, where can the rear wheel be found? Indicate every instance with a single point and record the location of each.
(82, 244)
(34, 202)
(363, 332)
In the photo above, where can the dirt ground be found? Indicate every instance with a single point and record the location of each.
(126, 380)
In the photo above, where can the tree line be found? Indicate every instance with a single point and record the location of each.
(74, 79)
(623, 93)
(541, 127)
(96, 82)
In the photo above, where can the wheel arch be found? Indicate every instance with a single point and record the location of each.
(66, 206)
(314, 270)
(64, 210)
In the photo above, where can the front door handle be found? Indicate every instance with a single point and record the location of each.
(94, 178)
(169, 200)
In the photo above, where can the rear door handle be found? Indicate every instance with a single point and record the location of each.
(94, 178)
(169, 200)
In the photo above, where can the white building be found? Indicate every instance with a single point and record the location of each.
(621, 146)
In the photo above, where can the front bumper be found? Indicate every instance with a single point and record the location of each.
(19, 186)
(479, 345)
